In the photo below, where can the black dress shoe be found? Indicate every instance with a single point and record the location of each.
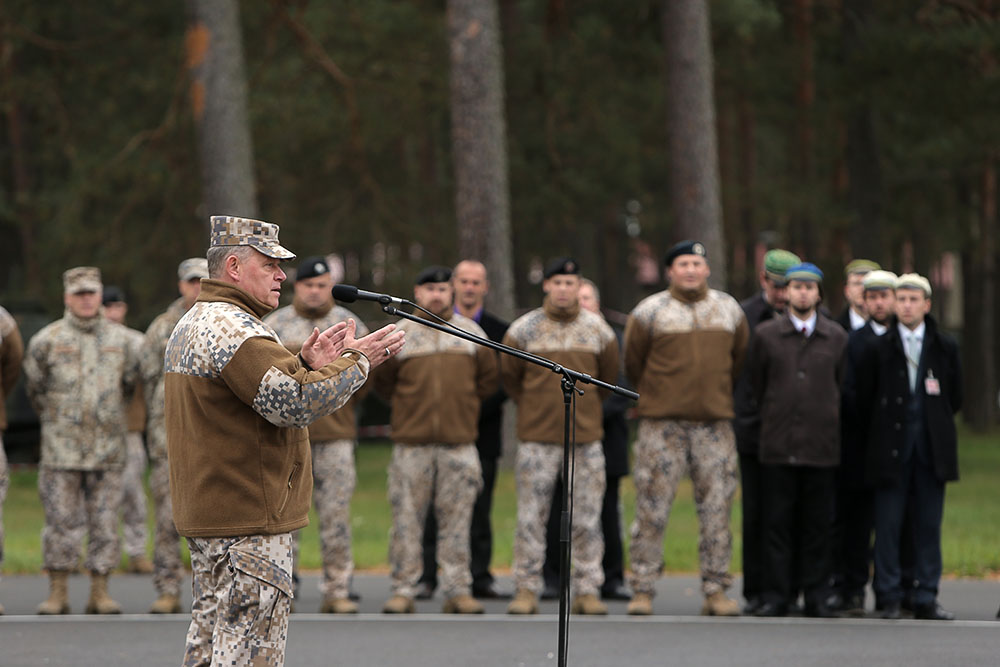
(835, 601)
(490, 592)
(353, 595)
(854, 606)
(892, 610)
(819, 610)
(425, 590)
(550, 591)
(616, 592)
(770, 609)
(751, 606)
(932, 611)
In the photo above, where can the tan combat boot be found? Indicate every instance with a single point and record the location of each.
(100, 602)
(166, 604)
(717, 604)
(399, 604)
(524, 602)
(641, 605)
(2, 610)
(462, 604)
(332, 605)
(139, 565)
(58, 602)
(589, 605)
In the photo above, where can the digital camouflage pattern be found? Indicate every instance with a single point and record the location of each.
(450, 477)
(133, 501)
(242, 590)
(151, 370)
(167, 566)
(537, 467)
(262, 236)
(666, 450)
(79, 375)
(63, 494)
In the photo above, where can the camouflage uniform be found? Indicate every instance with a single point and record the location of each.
(239, 614)
(134, 512)
(11, 355)
(167, 566)
(334, 475)
(79, 375)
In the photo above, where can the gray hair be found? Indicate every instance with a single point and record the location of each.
(217, 256)
(597, 292)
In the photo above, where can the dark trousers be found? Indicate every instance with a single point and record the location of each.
(799, 503)
(480, 534)
(852, 535)
(922, 493)
(753, 549)
(613, 563)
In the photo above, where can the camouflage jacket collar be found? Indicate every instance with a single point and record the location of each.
(220, 291)
(308, 313)
(87, 325)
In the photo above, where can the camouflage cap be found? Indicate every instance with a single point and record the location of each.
(191, 268)
(261, 236)
(82, 279)
(777, 262)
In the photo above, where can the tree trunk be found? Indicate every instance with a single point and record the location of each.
(219, 101)
(693, 160)
(805, 99)
(479, 148)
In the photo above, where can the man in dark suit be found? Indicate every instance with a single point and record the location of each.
(769, 302)
(471, 286)
(909, 387)
(853, 513)
(854, 315)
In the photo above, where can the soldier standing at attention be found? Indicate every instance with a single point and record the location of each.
(167, 566)
(333, 437)
(133, 487)
(81, 371)
(855, 315)
(11, 354)
(684, 348)
(237, 404)
(579, 339)
(435, 386)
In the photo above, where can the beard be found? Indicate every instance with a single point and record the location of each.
(801, 313)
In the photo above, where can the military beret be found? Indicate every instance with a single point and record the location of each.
(861, 266)
(777, 262)
(879, 279)
(191, 268)
(311, 267)
(261, 236)
(565, 266)
(433, 274)
(914, 281)
(684, 248)
(113, 294)
(805, 271)
(82, 279)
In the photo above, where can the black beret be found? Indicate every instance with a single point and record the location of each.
(311, 267)
(433, 274)
(684, 248)
(566, 266)
(112, 294)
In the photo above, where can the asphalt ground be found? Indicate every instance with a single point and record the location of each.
(675, 635)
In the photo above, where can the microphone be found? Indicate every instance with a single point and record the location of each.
(350, 294)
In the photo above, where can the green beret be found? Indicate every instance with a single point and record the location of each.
(861, 266)
(777, 262)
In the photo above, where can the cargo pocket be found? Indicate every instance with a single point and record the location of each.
(259, 599)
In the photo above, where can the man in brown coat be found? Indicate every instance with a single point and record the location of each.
(796, 366)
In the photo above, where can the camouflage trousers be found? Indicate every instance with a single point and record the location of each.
(447, 477)
(241, 593)
(167, 568)
(134, 496)
(666, 450)
(4, 485)
(537, 467)
(334, 478)
(63, 494)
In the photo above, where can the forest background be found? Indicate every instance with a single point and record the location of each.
(839, 129)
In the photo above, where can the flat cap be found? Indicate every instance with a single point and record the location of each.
(262, 236)
(113, 294)
(805, 271)
(562, 266)
(82, 279)
(861, 266)
(879, 279)
(684, 248)
(433, 274)
(311, 267)
(191, 268)
(914, 281)
(777, 262)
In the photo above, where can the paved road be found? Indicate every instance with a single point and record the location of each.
(673, 637)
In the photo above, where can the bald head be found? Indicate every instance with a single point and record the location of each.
(471, 286)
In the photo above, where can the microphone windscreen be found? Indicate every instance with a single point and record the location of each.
(345, 293)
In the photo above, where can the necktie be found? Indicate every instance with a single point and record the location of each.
(912, 359)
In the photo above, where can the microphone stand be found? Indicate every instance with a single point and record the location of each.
(569, 379)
